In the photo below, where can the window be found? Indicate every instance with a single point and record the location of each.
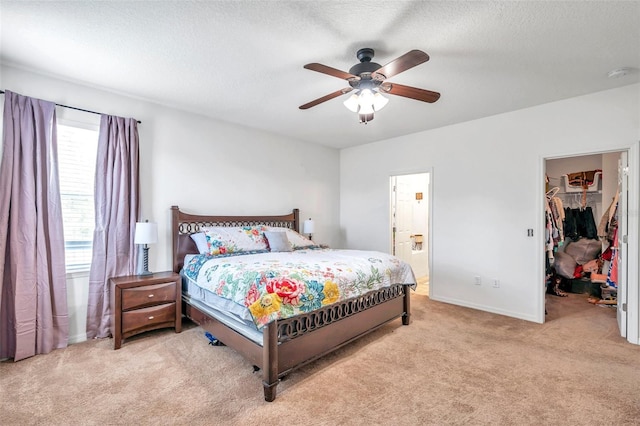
(77, 150)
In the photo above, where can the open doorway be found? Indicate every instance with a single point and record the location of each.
(586, 251)
(409, 220)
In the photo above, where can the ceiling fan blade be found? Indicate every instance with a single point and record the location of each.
(403, 63)
(411, 92)
(326, 98)
(331, 71)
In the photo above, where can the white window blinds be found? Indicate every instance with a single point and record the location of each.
(77, 148)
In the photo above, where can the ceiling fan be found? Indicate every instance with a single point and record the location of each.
(368, 79)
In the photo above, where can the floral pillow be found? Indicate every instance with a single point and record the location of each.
(226, 240)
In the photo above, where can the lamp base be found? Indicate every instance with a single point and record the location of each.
(145, 272)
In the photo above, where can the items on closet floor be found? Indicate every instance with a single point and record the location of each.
(573, 265)
(553, 286)
(583, 267)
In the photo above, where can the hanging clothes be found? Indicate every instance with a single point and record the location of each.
(559, 209)
(549, 244)
(612, 275)
(554, 214)
(580, 223)
(587, 224)
(570, 224)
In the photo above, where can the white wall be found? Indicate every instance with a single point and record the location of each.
(203, 166)
(488, 188)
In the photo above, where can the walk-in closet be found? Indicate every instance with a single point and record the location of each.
(582, 218)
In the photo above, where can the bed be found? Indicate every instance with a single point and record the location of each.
(273, 342)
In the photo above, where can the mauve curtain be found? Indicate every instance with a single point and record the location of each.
(33, 295)
(116, 209)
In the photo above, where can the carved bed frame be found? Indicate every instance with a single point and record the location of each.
(290, 343)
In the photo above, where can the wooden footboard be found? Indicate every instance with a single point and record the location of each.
(305, 338)
(290, 343)
(294, 342)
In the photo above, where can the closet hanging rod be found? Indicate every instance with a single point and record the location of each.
(77, 109)
(589, 193)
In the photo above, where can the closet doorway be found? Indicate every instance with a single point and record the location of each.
(587, 236)
(409, 223)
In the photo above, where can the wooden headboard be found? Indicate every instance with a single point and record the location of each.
(184, 224)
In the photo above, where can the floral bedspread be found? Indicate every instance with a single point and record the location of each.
(278, 285)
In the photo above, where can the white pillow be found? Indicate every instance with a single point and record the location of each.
(297, 240)
(278, 241)
(201, 242)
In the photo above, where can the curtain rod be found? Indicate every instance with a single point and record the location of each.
(77, 109)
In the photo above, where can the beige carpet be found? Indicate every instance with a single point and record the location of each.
(452, 365)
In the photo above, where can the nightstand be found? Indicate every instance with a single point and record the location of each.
(143, 303)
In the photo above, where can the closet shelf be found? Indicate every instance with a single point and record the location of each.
(578, 189)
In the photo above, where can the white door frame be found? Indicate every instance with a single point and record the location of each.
(622, 252)
(633, 246)
(633, 208)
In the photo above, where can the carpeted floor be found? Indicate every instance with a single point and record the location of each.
(451, 366)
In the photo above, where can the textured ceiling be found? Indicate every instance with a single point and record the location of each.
(242, 61)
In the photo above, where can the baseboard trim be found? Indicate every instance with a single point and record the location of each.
(493, 310)
(78, 338)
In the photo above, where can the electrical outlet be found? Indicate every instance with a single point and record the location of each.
(496, 283)
(477, 280)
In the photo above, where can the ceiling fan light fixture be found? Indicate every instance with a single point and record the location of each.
(365, 118)
(379, 101)
(367, 80)
(366, 102)
(352, 103)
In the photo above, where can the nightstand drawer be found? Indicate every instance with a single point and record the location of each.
(142, 303)
(148, 318)
(149, 295)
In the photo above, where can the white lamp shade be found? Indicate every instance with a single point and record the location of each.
(308, 227)
(146, 233)
(366, 102)
(352, 103)
(379, 101)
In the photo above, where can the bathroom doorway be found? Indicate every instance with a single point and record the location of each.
(410, 223)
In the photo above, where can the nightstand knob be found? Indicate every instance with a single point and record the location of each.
(150, 296)
(151, 317)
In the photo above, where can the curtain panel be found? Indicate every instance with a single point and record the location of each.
(116, 210)
(33, 295)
